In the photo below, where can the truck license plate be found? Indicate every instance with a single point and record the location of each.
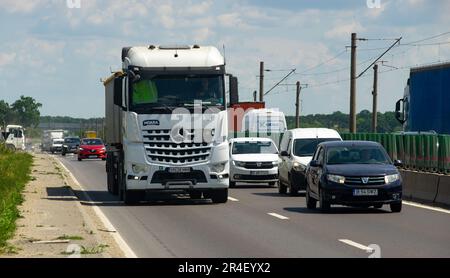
(178, 170)
(365, 192)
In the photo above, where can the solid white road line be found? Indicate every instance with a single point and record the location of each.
(126, 249)
(357, 245)
(233, 199)
(426, 207)
(279, 216)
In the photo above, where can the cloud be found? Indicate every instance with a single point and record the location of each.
(7, 58)
(343, 29)
(17, 6)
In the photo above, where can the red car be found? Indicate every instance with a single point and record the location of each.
(91, 148)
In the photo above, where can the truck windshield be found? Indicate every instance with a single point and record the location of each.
(254, 148)
(168, 92)
(307, 147)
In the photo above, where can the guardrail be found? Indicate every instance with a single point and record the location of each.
(423, 152)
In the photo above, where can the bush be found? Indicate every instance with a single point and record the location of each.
(14, 174)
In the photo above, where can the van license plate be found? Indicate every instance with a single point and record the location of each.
(178, 170)
(365, 192)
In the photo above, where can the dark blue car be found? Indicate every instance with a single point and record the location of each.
(353, 173)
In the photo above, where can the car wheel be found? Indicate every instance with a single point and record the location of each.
(79, 159)
(282, 188)
(218, 196)
(324, 204)
(396, 207)
(311, 203)
(232, 184)
(63, 154)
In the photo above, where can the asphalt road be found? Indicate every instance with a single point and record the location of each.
(258, 222)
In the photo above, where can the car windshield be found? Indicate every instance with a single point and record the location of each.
(357, 155)
(307, 147)
(167, 92)
(254, 148)
(92, 142)
(72, 141)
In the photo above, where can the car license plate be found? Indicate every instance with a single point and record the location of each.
(258, 173)
(92, 156)
(178, 170)
(365, 192)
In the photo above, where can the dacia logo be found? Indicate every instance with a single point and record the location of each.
(365, 180)
(150, 122)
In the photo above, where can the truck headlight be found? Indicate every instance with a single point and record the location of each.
(299, 167)
(139, 168)
(336, 179)
(391, 178)
(239, 163)
(218, 168)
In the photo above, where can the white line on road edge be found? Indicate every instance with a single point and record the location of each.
(233, 199)
(357, 245)
(279, 216)
(128, 252)
(425, 207)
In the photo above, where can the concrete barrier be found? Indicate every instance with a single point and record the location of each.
(443, 195)
(420, 186)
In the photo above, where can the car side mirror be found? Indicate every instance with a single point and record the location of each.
(315, 163)
(284, 153)
(398, 163)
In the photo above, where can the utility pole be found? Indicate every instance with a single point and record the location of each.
(374, 101)
(261, 81)
(297, 105)
(352, 120)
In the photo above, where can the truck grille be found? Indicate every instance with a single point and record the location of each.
(160, 148)
(359, 180)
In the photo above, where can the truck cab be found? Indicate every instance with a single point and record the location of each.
(166, 123)
(14, 137)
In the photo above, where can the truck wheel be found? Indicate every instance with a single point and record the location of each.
(293, 190)
(310, 202)
(396, 207)
(132, 197)
(219, 196)
(282, 188)
(272, 184)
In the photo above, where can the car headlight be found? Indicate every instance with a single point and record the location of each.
(299, 167)
(336, 179)
(275, 163)
(391, 178)
(64, 146)
(218, 168)
(139, 168)
(81, 149)
(239, 163)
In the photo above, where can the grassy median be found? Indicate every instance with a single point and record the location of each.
(15, 170)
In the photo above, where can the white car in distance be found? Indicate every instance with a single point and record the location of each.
(253, 160)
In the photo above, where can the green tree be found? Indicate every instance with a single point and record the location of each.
(6, 113)
(27, 111)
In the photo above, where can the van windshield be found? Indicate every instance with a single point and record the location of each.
(307, 147)
(254, 148)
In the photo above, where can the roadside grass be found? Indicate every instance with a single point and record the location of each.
(15, 168)
(67, 237)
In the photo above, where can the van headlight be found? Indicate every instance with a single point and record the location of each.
(139, 168)
(336, 179)
(218, 168)
(297, 166)
(391, 178)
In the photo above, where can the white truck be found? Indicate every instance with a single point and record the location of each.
(14, 137)
(166, 123)
(48, 138)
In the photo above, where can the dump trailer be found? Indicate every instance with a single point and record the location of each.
(425, 105)
(166, 123)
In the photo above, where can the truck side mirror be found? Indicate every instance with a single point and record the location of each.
(118, 92)
(399, 115)
(234, 94)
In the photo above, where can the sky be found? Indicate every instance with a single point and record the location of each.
(57, 51)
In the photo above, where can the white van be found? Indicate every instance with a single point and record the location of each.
(296, 150)
(264, 121)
